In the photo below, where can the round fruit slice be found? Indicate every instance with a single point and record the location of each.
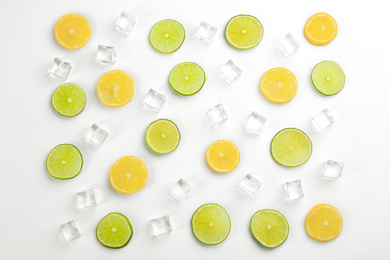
(269, 227)
(187, 78)
(115, 88)
(320, 29)
(291, 147)
(129, 174)
(244, 31)
(223, 156)
(72, 31)
(167, 36)
(323, 222)
(69, 100)
(64, 162)
(162, 136)
(114, 231)
(211, 224)
(279, 85)
(328, 78)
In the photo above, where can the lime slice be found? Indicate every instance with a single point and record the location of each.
(167, 36)
(328, 78)
(187, 78)
(291, 147)
(69, 100)
(114, 230)
(211, 224)
(162, 136)
(244, 31)
(269, 227)
(64, 162)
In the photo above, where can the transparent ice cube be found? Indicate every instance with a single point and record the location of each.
(70, 231)
(95, 135)
(86, 199)
(125, 23)
(106, 54)
(180, 190)
(293, 190)
(250, 185)
(205, 33)
(60, 69)
(332, 169)
(217, 115)
(287, 45)
(161, 225)
(255, 123)
(230, 72)
(154, 100)
(322, 120)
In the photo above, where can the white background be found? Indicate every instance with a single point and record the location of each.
(34, 205)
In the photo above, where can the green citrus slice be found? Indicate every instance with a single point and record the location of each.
(64, 162)
(114, 230)
(244, 31)
(269, 227)
(187, 78)
(162, 136)
(291, 147)
(328, 78)
(211, 224)
(69, 100)
(167, 36)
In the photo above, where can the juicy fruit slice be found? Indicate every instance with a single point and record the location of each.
(328, 78)
(129, 174)
(69, 100)
(223, 156)
(211, 224)
(167, 36)
(115, 88)
(269, 227)
(320, 29)
(73, 31)
(244, 31)
(187, 78)
(291, 147)
(323, 222)
(279, 85)
(114, 230)
(162, 136)
(64, 162)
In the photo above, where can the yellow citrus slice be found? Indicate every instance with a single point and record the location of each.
(320, 29)
(279, 85)
(115, 88)
(129, 174)
(323, 222)
(73, 31)
(223, 156)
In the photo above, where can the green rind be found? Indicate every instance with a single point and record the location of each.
(184, 36)
(321, 92)
(128, 222)
(272, 210)
(58, 178)
(177, 91)
(192, 225)
(146, 133)
(240, 15)
(291, 128)
(54, 107)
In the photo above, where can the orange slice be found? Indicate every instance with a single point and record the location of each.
(279, 85)
(223, 156)
(72, 31)
(323, 222)
(320, 29)
(129, 174)
(115, 88)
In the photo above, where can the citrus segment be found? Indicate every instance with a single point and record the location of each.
(114, 230)
(167, 36)
(69, 100)
(320, 29)
(64, 162)
(73, 31)
(244, 31)
(223, 156)
(187, 78)
(328, 78)
(162, 136)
